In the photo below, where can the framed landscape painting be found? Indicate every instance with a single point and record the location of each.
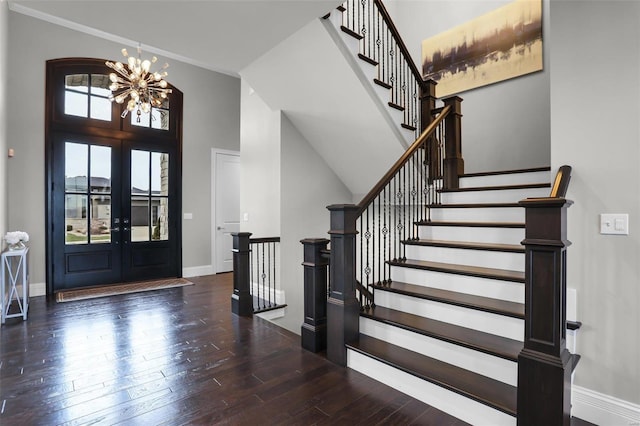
(497, 46)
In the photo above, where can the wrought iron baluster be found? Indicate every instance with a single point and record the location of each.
(275, 301)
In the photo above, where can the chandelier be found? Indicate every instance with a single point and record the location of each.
(145, 89)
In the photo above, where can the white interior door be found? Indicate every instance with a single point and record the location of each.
(227, 207)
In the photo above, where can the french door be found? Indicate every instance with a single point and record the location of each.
(114, 211)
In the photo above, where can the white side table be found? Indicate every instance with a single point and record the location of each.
(14, 274)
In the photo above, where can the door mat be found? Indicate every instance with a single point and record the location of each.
(115, 289)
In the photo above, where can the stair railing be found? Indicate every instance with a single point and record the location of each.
(255, 266)
(381, 45)
(365, 237)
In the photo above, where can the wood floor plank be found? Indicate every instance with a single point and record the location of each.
(176, 356)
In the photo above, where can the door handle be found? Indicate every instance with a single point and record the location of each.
(220, 228)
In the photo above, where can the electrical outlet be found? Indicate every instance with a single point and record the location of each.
(614, 224)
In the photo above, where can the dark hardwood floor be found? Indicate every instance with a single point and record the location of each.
(179, 356)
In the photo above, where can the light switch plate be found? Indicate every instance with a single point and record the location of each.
(614, 223)
(188, 215)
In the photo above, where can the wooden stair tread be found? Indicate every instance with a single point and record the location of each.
(510, 248)
(507, 172)
(493, 393)
(485, 304)
(497, 188)
(351, 32)
(471, 224)
(473, 205)
(474, 271)
(491, 344)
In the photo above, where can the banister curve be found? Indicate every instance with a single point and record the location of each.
(561, 182)
(364, 203)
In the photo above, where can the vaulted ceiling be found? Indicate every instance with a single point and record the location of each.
(223, 36)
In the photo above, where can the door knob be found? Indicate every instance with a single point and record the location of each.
(220, 228)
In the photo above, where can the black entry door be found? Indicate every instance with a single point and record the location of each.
(114, 212)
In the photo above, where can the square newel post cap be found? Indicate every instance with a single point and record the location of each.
(343, 218)
(545, 202)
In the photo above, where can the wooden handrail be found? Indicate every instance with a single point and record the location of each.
(264, 240)
(362, 206)
(400, 42)
(561, 183)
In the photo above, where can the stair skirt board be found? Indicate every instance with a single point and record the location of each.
(445, 400)
(485, 258)
(495, 289)
(506, 179)
(497, 368)
(500, 325)
(494, 196)
(473, 214)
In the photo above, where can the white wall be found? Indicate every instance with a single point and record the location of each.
(211, 119)
(308, 186)
(505, 125)
(595, 105)
(4, 35)
(259, 166)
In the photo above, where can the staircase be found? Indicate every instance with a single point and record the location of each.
(449, 326)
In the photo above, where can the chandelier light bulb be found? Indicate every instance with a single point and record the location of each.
(137, 82)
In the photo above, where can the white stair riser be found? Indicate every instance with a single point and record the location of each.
(498, 196)
(473, 234)
(487, 365)
(512, 328)
(436, 396)
(496, 289)
(485, 258)
(485, 214)
(508, 179)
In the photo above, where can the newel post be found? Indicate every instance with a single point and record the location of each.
(427, 102)
(343, 309)
(453, 163)
(241, 300)
(314, 328)
(545, 364)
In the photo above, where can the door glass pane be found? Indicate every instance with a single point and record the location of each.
(75, 167)
(100, 219)
(75, 219)
(139, 172)
(100, 85)
(139, 219)
(160, 219)
(159, 173)
(100, 169)
(143, 118)
(100, 108)
(159, 119)
(77, 82)
(75, 104)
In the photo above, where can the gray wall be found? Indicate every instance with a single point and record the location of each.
(308, 186)
(595, 105)
(520, 105)
(4, 35)
(259, 166)
(211, 119)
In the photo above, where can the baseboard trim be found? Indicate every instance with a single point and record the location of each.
(37, 289)
(197, 271)
(601, 409)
